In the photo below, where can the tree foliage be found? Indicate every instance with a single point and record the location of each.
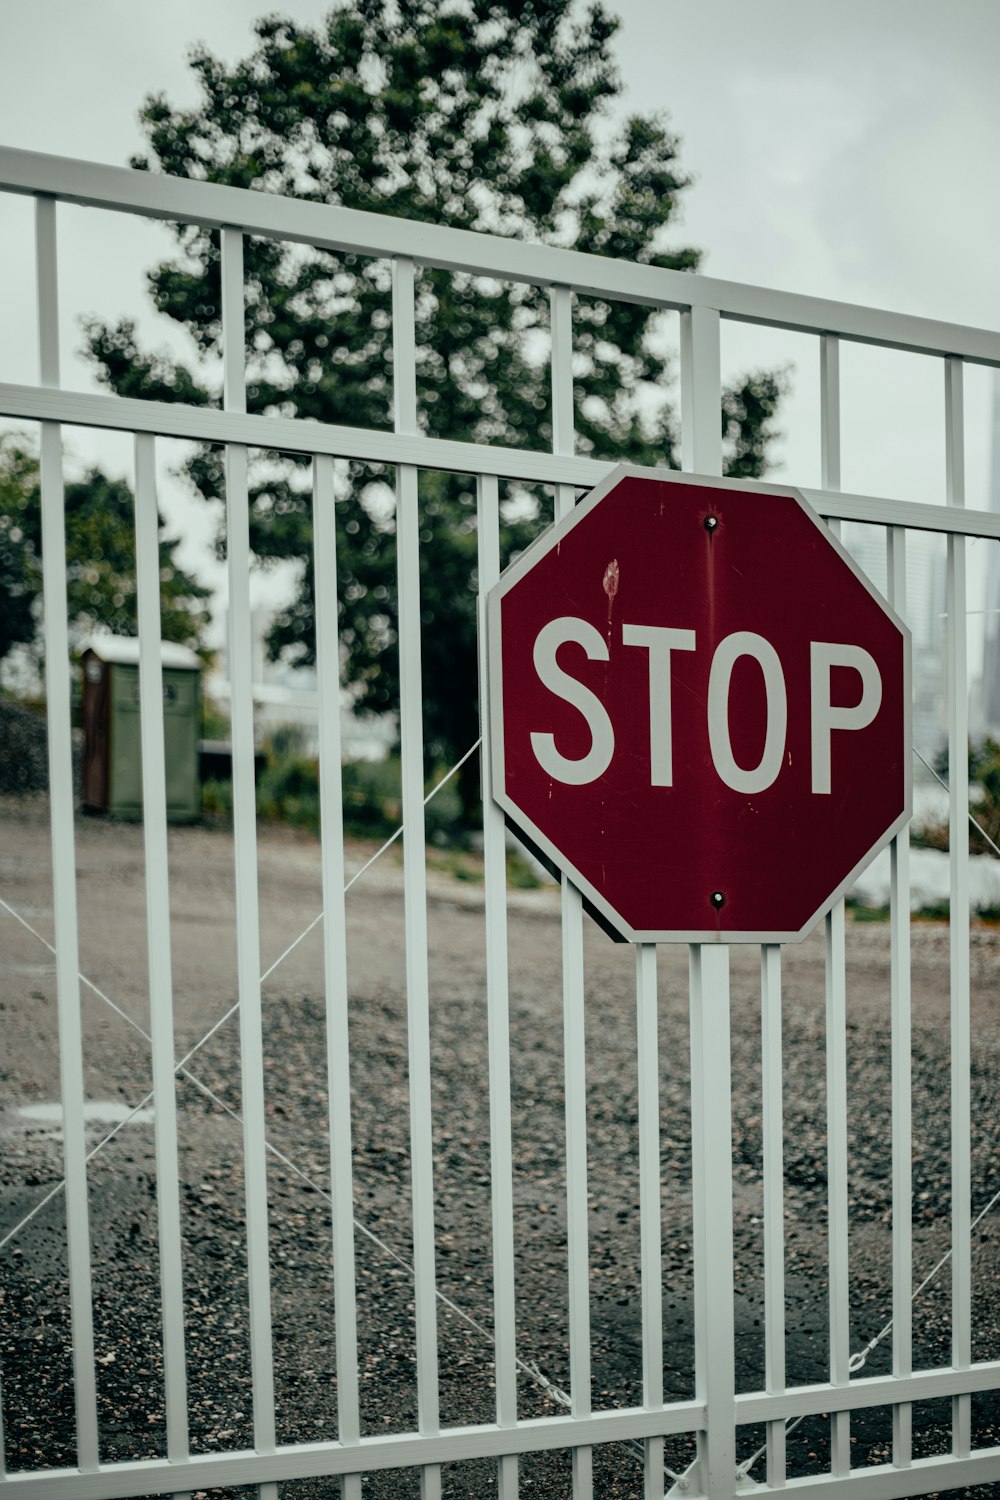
(984, 775)
(100, 559)
(984, 803)
(484, 116)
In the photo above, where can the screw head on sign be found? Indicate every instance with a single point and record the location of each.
(718, 898)
(710, 523)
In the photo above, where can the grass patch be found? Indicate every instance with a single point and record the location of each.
(467, 866)
(288, 792)
(521, 876)
(861, 913)
(217, 800)
(934, 911)
(460, 864)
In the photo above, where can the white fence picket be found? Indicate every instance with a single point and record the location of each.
(498, 1020)
(414, 869)
(245, 860)
(57, 694)
(773, 1126)
(335, 961)
(902, 1085)
(958, 907)
(161, 997)
(651, 1248)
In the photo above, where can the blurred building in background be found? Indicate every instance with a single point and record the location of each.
(926, 608)
(286, 698)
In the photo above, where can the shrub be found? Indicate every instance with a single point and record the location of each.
(289, 791)
(24, 754)
(984, 781)
(217, 799)
(373, 806)
(24, 750)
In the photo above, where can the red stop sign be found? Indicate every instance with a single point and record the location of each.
(699, 708)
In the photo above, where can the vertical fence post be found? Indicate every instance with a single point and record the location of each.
(958, 841)
(902, 1114)
(829, 396)
(578, 1252)
(712, 1194)
(836, 1008)
(161, 998)
(498, 1017)
(577, 1237)
(245, 855)
(57, 699)
(711, 1098)
(701, 386)
(772, 1113)
(411, 736)
(836, 1158)
(651, 1247)
(335, 958)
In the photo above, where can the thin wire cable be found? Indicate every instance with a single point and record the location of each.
(529, 1367)
(281, 958)
(181, 1067)
(977, 826)
(368, 863)
(55, 1191)
(859, 1359)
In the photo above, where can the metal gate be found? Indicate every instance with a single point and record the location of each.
(717, 1414)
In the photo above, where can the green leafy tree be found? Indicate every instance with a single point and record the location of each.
(493, 117)
(20, 566)
(100, 559)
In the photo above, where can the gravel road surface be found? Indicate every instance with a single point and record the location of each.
(34, 1332)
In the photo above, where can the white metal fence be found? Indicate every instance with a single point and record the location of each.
(717, 1412)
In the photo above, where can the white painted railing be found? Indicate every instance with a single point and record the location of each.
(717, 1412)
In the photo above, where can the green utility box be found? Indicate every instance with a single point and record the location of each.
(112, 750)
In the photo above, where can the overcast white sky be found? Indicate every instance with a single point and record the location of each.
(847, 152)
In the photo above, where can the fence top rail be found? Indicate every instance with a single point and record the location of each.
(213, 205)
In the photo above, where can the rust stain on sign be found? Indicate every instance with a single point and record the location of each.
(612, 574)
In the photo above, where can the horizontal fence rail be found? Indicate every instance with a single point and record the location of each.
(332, 228)
(289, 435)
(717, 1415)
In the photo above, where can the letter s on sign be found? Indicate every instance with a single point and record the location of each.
(602, 737)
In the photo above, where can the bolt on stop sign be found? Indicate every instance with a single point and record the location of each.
(699, 708)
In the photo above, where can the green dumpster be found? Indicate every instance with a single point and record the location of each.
(112, 752)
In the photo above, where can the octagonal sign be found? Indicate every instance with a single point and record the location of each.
(699, 708)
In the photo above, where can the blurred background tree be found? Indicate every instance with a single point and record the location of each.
(984, 802)
(492, 117)
(100, 559)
